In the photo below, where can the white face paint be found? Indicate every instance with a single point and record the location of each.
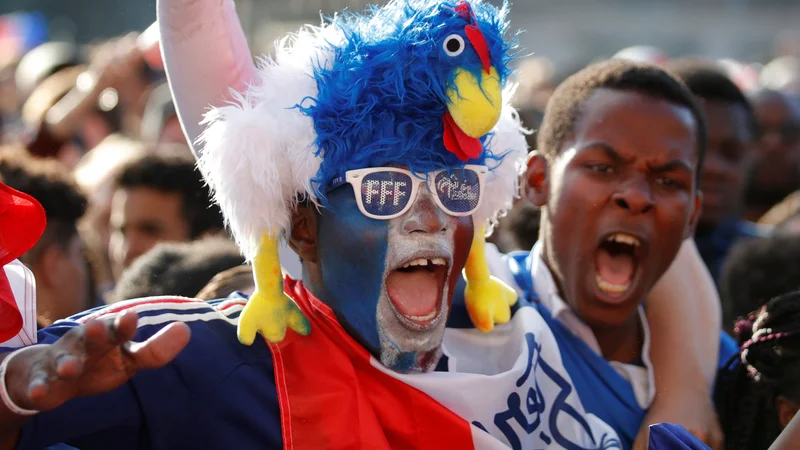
(413, 304)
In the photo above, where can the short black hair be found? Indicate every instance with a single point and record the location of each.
(707, 81)
(53, 186)
(757, 270)
(768, 367)
(177, 268)
(174, 171)
(564, 108)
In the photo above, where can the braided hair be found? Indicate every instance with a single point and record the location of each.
(768, 366)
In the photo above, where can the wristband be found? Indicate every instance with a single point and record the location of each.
(4, 396)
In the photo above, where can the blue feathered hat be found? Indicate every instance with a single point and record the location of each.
(415, 83)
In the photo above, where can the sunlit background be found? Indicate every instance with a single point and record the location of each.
(568, 32)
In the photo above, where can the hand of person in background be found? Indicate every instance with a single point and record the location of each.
(114, 79)
(114, 63)
(693, 410)
(88, 360)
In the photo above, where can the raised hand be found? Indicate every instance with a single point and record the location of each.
(88, 360)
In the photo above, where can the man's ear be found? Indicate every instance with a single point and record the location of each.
(694, 217)
(537, 180)
(303, 236)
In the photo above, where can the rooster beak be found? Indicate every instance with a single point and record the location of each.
(473, 104)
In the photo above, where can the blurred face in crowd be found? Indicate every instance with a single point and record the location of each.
(776, 166)
(617, 202)
(141, 217)
(730, 136)
(62, 281)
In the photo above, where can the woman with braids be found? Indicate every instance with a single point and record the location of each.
(759, 394)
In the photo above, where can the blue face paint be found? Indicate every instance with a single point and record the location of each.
(352, 255)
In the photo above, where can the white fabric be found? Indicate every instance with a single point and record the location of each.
(493, 375)
(23, 286)
(641, 378)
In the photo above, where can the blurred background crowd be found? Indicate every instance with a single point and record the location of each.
(89, 129)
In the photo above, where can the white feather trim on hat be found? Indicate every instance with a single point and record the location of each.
(502, 182)
(257, 152)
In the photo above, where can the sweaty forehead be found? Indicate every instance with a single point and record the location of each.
(622, 118)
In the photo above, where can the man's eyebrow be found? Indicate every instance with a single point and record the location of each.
(605, 148)
(675, 164)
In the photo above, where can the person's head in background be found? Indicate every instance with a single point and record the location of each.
(57, 260)
(522, 226)
(42, 62)
(182, 269)
(159, 197)
(776, 160)
(96, 174)
(93, 128)
(730, 129)
(756, 271)
(620, 149)
(235, 279)
(758, 396)
(160, 120)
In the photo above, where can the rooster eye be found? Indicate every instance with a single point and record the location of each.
(453, 45)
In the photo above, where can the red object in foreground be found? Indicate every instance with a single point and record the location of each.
(458, 142)
(331, 395)
(22, 222)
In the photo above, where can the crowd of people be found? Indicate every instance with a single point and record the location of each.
(653, 230)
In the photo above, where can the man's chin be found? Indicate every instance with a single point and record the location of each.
(410, 362)
(405, 346)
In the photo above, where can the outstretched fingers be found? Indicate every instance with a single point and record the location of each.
(68, 359)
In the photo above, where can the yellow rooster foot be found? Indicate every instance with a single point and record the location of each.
(270, 315)
(489, 302)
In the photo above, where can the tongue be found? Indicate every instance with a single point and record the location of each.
(414, 293)
(614, 269)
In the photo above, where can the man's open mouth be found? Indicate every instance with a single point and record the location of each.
(616, 264)
(416, 289)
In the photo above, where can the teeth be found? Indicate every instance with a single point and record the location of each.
(424, 318)
(624, 239)
(425, 262)
(611, 288)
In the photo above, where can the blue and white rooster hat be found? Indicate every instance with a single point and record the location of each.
(420, 84)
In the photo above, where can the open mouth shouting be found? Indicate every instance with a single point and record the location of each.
(617, 265)
(416, 289)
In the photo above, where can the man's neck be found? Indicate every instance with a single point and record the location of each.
(621, 343)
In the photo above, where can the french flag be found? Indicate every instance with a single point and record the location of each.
(504, 390)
